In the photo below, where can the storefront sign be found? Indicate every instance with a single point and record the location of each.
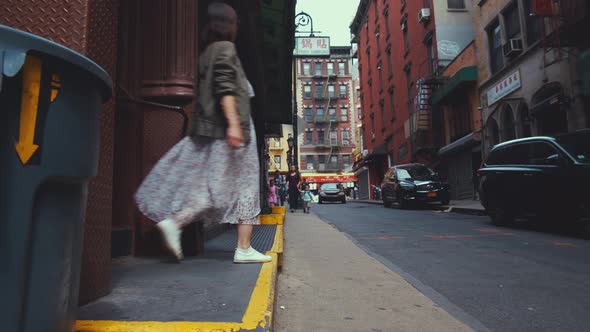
(504, 88)
(312, 46)
(329, 178)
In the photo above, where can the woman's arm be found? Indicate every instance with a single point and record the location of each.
(234, 134)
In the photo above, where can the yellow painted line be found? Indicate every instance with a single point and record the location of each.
(259, 313)
(25, 147)
(278, 244)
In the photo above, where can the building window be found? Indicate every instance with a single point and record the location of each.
(278, 162)
(345, 138)
(389, 62)
(342, 90)
(309, 137)
(404, 24)
(334, 161)
(378, 40)
(309, 162)
(495, 39)
(512, 21)
(306, 68)
(360, 113)
(332, 113)
(533, 23)
(456, 4)
(373, 124)
(367, 30)
(333, 137)
(371, 91)
(319, 116)
(386, 19)
(430, 54)
(322, 163)
(379, 68)
(308, 115)
(331, 91)
(382, 108)
(318, 68)
(330, 68)
(341, 68)
(369, 61)
(346, 160)
(392, 103)
(403, 3)
(307, 91)
(343, 114)
(409, 82)
(277, 143)
(319, 90)
(321, 137)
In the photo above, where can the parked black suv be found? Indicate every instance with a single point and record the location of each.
(538, 176)
(413, 183)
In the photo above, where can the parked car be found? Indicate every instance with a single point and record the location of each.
(332, 192)
(404, 184)
(538, 177)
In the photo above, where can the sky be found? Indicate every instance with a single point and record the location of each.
(331, 17)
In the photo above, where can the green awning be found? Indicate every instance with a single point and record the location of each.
(584, 68)
(463, 76)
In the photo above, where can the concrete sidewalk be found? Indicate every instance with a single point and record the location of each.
(467, 206)
(330, 284)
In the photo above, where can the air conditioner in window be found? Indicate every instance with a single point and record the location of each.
(512, 47)
(424, 15)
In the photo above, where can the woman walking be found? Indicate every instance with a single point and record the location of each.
(294, 179)
(212, 175)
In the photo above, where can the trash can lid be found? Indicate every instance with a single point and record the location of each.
(14, 45)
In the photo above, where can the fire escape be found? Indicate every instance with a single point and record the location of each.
(326, 97)
(422, 119)
(564, 25)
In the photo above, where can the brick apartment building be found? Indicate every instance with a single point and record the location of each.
(327, 115)
(402, 47)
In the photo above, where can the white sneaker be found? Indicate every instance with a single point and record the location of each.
(250, 255)
(171, 234)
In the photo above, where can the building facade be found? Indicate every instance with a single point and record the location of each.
(278, 151)
(530, 66)
(326, 114)
(400, 55)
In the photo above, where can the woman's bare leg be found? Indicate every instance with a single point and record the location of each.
(244, 236)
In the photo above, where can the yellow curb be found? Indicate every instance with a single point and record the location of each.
(279, 210)
(271, 219)
(258, 315)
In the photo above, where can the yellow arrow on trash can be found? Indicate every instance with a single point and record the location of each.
(32, 72)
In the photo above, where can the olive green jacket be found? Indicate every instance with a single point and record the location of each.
(220, 74)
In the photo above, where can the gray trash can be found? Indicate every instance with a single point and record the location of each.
(50, 103)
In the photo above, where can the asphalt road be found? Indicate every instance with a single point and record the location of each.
(498, 278)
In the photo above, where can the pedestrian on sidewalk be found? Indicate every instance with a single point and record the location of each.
(272, 193)
(282, 189)
(294, 181)
(307, 197)
(213, 174)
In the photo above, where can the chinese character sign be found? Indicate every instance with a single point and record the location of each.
(503, 88)
(306, 46)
